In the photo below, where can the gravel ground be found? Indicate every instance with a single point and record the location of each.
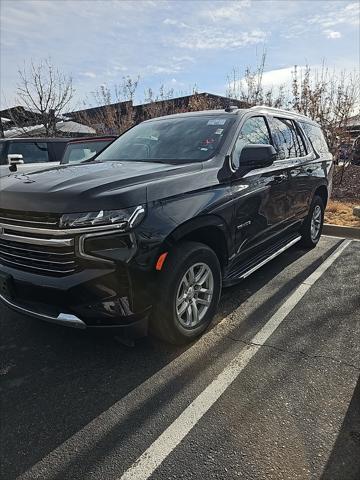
(349, 188)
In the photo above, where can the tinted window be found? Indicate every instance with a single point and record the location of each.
(254, 130)
(2, 153)
(287, 139)
(33, 152)
(170, 140)
(57, 150)
(316, 137)
(78, 152)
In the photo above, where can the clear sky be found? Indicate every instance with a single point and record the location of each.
(177, 43)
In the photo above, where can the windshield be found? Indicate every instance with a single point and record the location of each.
(80, 151)
(172, 140)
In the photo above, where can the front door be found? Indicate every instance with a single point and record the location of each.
(261, 207)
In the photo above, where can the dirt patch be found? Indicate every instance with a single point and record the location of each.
(347, 188)
(341, 213)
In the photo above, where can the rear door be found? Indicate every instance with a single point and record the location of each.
(293, 154)
(260, 196)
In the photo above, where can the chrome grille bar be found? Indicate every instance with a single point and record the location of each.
(50, 242)
(31, 267)
(37, 259)
(27, 244)
(41, 252)
(62, 232)
(7, 219)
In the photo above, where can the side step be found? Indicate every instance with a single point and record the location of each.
(247, 267)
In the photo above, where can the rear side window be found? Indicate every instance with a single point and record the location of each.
(254, 130)
(33, 152)
(316, 136)
(287, 139)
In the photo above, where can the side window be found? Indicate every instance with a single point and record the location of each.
(33, 152)
(316, 137)
(287, 138)
(254, 130)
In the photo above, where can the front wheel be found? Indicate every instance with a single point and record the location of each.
(313, 224)
(188, 293)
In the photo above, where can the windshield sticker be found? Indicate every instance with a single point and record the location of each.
(208, 141)
(219, 131)
(217, 121)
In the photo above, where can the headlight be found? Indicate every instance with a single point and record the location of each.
(130, 217)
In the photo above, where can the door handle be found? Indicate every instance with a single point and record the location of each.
(280, 178)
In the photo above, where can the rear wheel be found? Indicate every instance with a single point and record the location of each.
(313, 224)
(188, 293)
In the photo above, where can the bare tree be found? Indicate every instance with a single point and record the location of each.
(45, 90)
(113, 110)
(248, 86)
(328, 98)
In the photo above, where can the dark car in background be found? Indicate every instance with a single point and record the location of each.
(30, 154)
(171, 211)
(81, 149)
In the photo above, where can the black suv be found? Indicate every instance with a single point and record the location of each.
(146, 233)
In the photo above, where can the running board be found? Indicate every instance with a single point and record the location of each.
(248, 267)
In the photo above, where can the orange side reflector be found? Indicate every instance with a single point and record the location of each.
(161, 260)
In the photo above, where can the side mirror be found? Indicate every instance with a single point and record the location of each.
(257, 155)
(14, 160)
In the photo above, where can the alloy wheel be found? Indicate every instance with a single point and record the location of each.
(315, 222)
(194, 295)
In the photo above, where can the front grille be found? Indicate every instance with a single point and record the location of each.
(29, 219)
(42, 259)
(31, 250)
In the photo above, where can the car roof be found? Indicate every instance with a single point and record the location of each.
(200, 113)
(240, 111)
(35, 139)
(93, 139)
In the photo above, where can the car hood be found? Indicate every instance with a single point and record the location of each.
(85, 187)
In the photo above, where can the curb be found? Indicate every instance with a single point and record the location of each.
(340, 231)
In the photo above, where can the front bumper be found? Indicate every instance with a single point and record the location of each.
(83, 279)
(135, 329)
(89, 299)
(65, 319)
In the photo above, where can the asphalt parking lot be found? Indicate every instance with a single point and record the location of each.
(270, 392)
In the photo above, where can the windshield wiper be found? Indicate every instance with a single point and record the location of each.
(88, 160)
(136, 160)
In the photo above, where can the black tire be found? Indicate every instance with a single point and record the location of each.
(307, 239)
(164, 322)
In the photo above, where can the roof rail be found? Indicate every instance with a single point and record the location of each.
(277, 110)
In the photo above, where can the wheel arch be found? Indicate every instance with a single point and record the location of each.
(210, 230)
(323, 193)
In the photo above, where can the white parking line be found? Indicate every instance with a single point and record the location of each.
(86, 439)
(152, 458)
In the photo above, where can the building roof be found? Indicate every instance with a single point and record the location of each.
(354, 121)
(68, 127)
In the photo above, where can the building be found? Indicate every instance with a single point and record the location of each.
(116, 117)
(108, 119)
